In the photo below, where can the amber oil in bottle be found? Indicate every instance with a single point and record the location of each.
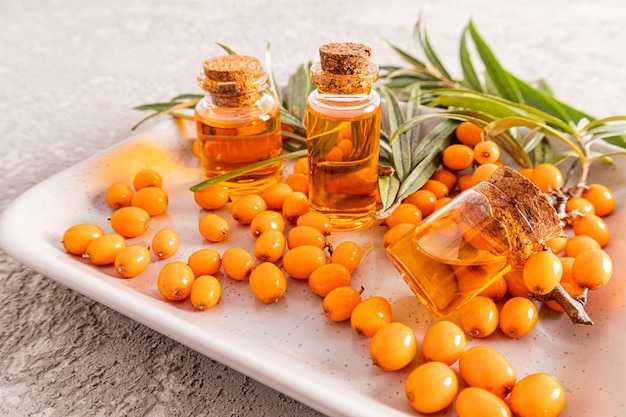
(343, 131)
(238, 123)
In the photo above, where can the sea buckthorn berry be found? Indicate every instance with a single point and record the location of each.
(557, 244)
(214, 227)
(315, 219)
(593, 226)
(472, 278)
(446, 177)
(424, 200)
(444, 342)
(132, 260)
(348, 253)
(579, 205)
(247, 207)
(298, 182)
(205, 262)
(496, 290)
(205, 292)
(394, 346)
(537, 395)
(485, 367)
(486, 152)
(404, 213)
(479, 316)
(518, 316)
(465, 181)
(579, 244)
(431, 387)
(196, 148)
(458, 157)
(130, 221)
(268, 282)
(118, 195)
(515, 282)
(175, 281)
(238, 263)
(436, 187)
(370, 315)
(267, 220)
(601, 197)
(334, 155)
(275, 195)
(77, 237)
(213, 197)
(165, 243)
(295, 205)
(327, 277)
(147, 178)
(542, 272)
(478, 402)
(483, 172)
(547, 177)
(305, 235)
(301, 165)
(470, 134)
(395, 233)
(154, 200)
(301, 261)
(346, 147)
(526, 172)
(103, 249)
(567, 283)
(592, 269)
(270, 246)
(442, 202)
(340, 302)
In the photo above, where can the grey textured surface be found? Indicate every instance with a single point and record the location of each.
(70, 72)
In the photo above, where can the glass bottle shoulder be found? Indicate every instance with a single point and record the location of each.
(262, 109)
(344, 107)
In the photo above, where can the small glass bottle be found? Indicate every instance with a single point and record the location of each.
(464, 247)
(238, 123)
(343, 131)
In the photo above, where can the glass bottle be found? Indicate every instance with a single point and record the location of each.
(474, 240)
(238, 123)
(343, 131)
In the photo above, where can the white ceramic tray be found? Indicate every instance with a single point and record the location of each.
(290, 346)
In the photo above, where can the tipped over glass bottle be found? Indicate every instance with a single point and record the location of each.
(238, 123)
(343, 118)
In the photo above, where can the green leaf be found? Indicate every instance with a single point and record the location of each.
(402, 146)
(419, 31)
(545, 102)
(470, 79)
(543, 151)
(299, 86)
(167, 110)
(274, 88)
(226, 48)
(388, 189)
(407, 57)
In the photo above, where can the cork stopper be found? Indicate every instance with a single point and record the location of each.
(234, 80)
(344, 68)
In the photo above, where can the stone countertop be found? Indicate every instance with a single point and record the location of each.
(72, 70)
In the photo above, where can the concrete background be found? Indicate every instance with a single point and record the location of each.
(70, 73)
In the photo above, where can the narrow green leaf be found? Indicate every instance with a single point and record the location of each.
(226, 48)
(169, 110)
(388, 190)
(419, 31)
(606, 155)
(402, 146)
(407, 57)
(274, 88)
(470, 78)
(543, 102)
(543, 151)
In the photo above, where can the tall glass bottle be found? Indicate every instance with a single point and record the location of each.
(343, 131)
(238, 123)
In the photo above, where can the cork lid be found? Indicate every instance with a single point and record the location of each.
(235, 79)
(344, 68)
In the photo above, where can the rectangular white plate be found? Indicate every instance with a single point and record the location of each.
(290, 346)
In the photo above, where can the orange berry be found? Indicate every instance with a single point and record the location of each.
(579, 205)
(436, 187)
(267, 220)
(424, 200)
(557, 244)
(394, 346)
(601, 197)
(370, 315)
(295, 205)
(130, 221)
(465, 181)
(547, 177)
(238, 263)
(593, 226)
(147, 178)
(213, 227)
(404, 213)
(537, 394)
(298, 182)
(118, 195)
(518, 316)
(270, 246)
(442, 202)
(431, 387)
(175, 281)
(132, 260)
(579, 244)
(395, 233)
(301, 165)
(196, 148)
(339, 303)
(205, 292)
(478, 402)
(77, 237)
(496, 290)
(305, 235)
(327, 277)
(446, 177)
(315, 219)
(103, 249)
(348, 253)
(486, 152)
(458, 157)
(483, 172)
(527, 172)
(592, 269)
(154, 200)
(247, 207)
(542, 272)
(346, 147)
(275, 195)
(484, 367)
(165, 243)
(479, 316)
(268, 282)
(205, 262)
(444, 342)
(301, 261)
(470, 134)
(212, 197)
